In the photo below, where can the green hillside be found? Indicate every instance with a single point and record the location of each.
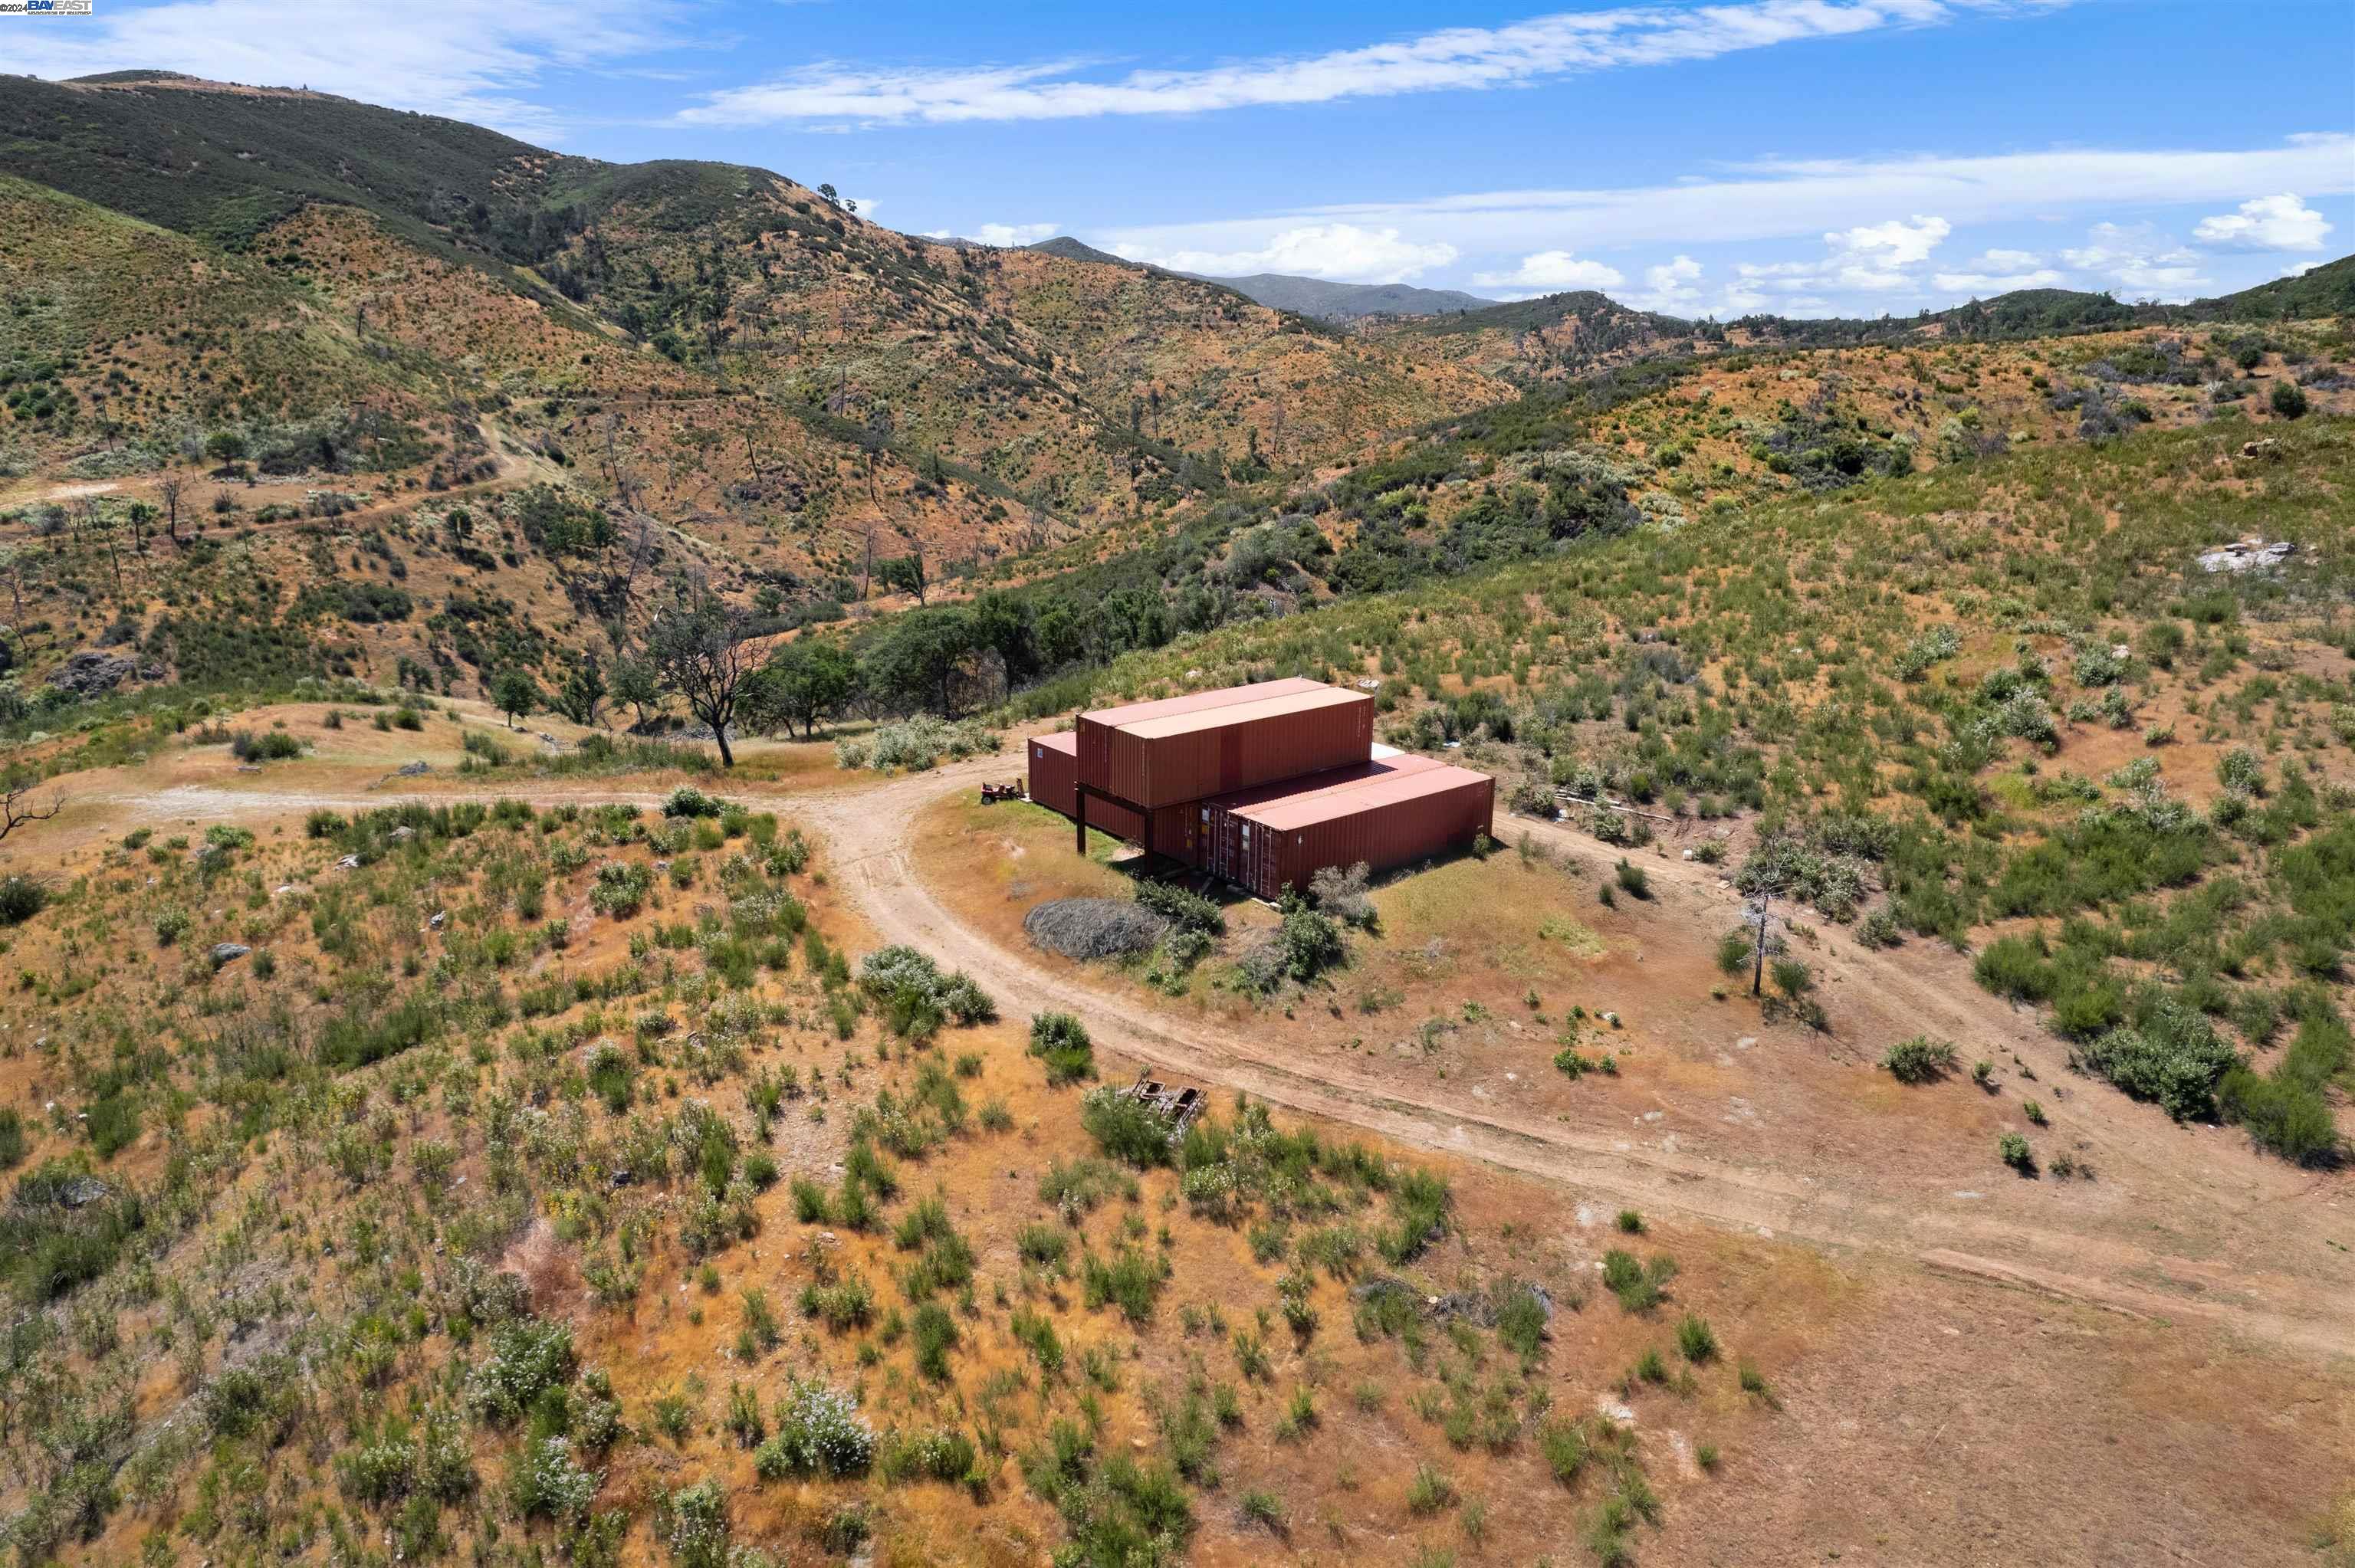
(224, 164)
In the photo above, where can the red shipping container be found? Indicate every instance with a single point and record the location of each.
(1385, 822)
(1054, 773)
(1219, 820)
(1094, 731)
(1188, 757)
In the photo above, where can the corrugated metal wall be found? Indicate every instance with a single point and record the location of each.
(1054, 771)
(1094, 730)
(1159, 764)
(1222, 825)
(1384, 835)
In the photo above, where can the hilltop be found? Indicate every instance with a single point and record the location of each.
(283, 306)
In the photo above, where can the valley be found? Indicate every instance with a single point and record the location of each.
(528, 1032)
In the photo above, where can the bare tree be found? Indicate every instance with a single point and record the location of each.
(17, 806)
(171, 489)
(697, 648)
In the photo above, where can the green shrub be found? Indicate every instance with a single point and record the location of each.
(2172, 1055)
(934, 1334)
(1182, 907)
(820, 1433)
(1126, 1127)
(21, 898)
(1732, 953)
(1920, 1060)
(1061, 1041)
(1130, 1280)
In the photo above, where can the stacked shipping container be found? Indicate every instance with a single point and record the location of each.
(1263, 785)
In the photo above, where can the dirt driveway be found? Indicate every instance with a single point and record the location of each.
(2119, 1259)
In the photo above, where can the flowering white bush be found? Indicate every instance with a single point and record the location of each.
(526, 1358)
(548, 1481)
(819, 1432)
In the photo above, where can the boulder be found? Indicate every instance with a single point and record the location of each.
(226, 953)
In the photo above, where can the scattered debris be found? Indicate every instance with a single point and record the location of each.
(1093, 928)
(2250, 553)
(1177, 1106)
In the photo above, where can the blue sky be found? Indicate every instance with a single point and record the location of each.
(1805, 156)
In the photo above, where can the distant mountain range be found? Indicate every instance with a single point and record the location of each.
(1301, 296)
(2324, 289)
(1346, 302)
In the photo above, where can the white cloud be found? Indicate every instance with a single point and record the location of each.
(1670, 288)
(2268, 223)
(1784, 199)
(1998, 272)
(1870, 258)
(2140, 259)
(1014, 233)
(1553, 269)
(468, 62)
(864, 206)
(1449, 58)
(1341, 253)
(1892, 244)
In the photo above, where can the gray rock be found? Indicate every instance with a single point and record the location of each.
(228, 953)
(91, 674)
(80, 1190)
(411, 770)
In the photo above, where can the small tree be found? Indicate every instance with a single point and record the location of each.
(698, 650)
(803, 683)
(515, 693)
(171, 489)
(905, 573)
(584, 692)
(2289, 399)
(637, 683)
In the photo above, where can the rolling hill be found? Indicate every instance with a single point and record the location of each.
(284, 305)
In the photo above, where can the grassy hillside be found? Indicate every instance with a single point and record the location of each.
(1068, 394)
(224, 164)
(560, 1184)
(2001, 704)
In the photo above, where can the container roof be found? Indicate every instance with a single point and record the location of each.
(1353, 775)
(1196, 701)
(1318, 806)
(1310, 701)
(1063, 741)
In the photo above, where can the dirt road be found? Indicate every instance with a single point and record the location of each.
(2300, 1305)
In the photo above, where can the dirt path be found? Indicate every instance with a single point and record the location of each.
(866, 829)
